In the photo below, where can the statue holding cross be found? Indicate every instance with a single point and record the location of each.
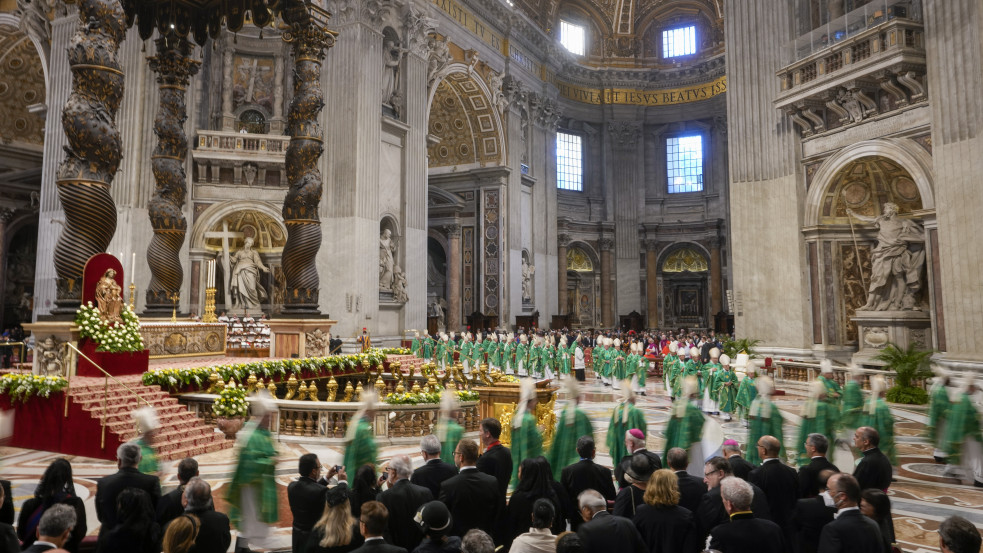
(225, 235)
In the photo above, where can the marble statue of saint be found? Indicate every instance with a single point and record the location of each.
(399, 285)
(109, 298)
(247, 292)
(896, 261)
(527, 273)
(387, 252)
(390, 70)
(249, 172)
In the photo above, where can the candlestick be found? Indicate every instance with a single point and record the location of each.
(133, 268)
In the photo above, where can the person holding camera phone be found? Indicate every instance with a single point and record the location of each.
(306, 496)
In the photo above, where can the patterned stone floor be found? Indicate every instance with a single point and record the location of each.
(922, 496)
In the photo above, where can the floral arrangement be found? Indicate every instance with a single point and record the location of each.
(22, 386)
(426, 397)
(115, 338)
(231, 402)
(396, 351)
(274, 368)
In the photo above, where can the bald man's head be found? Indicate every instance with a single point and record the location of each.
(770, 445)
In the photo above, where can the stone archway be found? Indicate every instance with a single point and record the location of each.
(583, 269)
(684, 271)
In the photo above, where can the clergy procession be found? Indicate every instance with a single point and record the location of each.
(820, 485)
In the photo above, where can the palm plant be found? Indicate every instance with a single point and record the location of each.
(734, 346)
(908, 364)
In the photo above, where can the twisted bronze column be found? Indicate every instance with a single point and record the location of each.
(174, 68)
(94, 149)
(309, 41)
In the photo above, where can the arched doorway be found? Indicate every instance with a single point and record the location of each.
(840, 246)
(684, 271)
(583, 287)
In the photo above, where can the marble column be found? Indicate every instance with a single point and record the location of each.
(174, 68)
(94, 149)
(607, 311)
(652, 283)
(300, 206)
(6, 215)
(228, 59)
(453, 277)
(276, 122)
(562, 242)
(715, 291)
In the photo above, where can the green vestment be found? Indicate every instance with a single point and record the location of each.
(527, 442)
(726, 384)
(361, 450)
(256, 468)
(619, 425)
(449, 433)
(148, 458)
(765, 420)
(746, 393)
(963, 422)
(879, 418)
(685, 426)
(938, 412)
(569, 429)
(853, 403)
(818, 417)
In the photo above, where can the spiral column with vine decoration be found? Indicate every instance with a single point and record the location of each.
(309, 40)
(174, 68)
(94, 147)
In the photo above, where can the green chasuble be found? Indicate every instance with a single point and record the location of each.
(521, 357)
(853, 402)
(710, 375)
(361, 450)
(616, 429)
(534, 366)
(620, 366)
(569, 429)
(449, 433)
(882, 421)
(477, 355)
(428, 348)
(746, 393)
(148, 458)
(256, 467)
(685, 427)
(963, 422)
(938, 412)
(818, 417)
(834, 393)
(527, 442)
(691, 368)
(415, 347)
(669, 371)
(726, 386)
(449, 354)
(641, 367)
(765, 420)
(565, 354)
(466, 348)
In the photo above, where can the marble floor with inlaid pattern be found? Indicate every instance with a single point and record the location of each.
(921, 497)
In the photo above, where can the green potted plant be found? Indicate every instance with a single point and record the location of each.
(230, 409)
(909, 364)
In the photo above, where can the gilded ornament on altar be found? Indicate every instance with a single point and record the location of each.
(251, 383)
(358, 391)
(504, 413)
(546, 420)
(416, 387)
(380, 386)
(259, 384)
(366, 366)
(394, 367)
(213, 381)
(312, 392)
(271, 387)
(332, 389)
(348, 391)
(302, 391)
(219, 386)
(400, 388)
(291, 387)
(432, 384)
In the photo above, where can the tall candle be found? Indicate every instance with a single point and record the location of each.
(208, 284)
(133, 268)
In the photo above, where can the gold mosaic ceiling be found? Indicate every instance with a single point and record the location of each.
(21, 85)
(620, 17)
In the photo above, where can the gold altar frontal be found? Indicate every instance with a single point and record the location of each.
(183, 339)
(500, 401)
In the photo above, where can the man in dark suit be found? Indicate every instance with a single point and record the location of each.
(586, 475)
(850, 532)
(109, 487)
(811, 515)
(7, 507)
(958, 535)
(711, 510)
(738, 465)
(744, 533)
(472, 497)
(691, 488)
(779, 482)
(434, 470)
(372, 524)
(306, 498)
(634, 443)
(874, 470)
(402, 500)
(604, 532)
(170, 505)
(215, 533)
(54, 528)
(497, 459)
(816, 447)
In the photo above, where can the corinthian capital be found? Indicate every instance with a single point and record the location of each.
(624, 134)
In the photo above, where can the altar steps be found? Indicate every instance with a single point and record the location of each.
(181, 433)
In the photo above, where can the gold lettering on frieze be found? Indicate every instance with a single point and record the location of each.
(622, 96)
(470, 22)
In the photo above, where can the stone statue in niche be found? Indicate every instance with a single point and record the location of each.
(896, 261)
(399, 285)
(387, 261)
(50, 361)
(249, 172)
(528, 271)
(109, 298)
(440, 56)
(247, 292)
(393, 55)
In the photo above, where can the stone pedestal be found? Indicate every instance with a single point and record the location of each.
(300, 337)
(877, 328)
(51, 357)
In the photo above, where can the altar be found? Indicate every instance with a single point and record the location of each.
(167, 339)
(501, 399)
